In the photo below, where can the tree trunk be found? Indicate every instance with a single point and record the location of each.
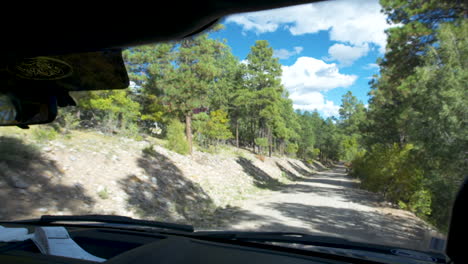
(270, 143)
(237, 133)
(253, 136)
(188, 130)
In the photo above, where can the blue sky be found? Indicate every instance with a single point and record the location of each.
(325, 48)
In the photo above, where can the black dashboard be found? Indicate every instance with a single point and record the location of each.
(125, 246)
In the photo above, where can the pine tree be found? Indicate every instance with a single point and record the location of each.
(263, 80)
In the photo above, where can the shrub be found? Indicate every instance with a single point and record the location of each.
(262, 142)
(393, 172)
(292, 148)
(149, 150)
(44, 133)
(176, 140)
(103, 194)
(68, 120)
(312, 153)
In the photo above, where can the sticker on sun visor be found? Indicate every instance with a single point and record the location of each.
(41, 68)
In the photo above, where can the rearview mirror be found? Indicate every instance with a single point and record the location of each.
(20, 110)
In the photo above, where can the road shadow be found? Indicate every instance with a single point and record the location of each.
(300, 170)
(226, 218)
(316, 190)
(261, 178)
(165, 194)
(335, 182)
(30, 184)
(371, 227)
(319, 166)
(290, 175)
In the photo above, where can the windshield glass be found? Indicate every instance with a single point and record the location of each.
(338, 118)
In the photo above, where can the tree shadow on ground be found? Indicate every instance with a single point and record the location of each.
(165, 194)
(318, 166)
(261, 178)
(310, 166)
(291, 176)
(30, 184)
(348, 191)
(335, 182)
(300, 170)
(365, 226)
(304, 188)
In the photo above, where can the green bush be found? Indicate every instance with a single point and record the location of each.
(262, 142)
(68, 120)
(44, 133)
(103, 194)
(176, 140)
(313, 153)
(149, 150)
(292, 148)
(420, 202)
(394, 172)
(130, 130)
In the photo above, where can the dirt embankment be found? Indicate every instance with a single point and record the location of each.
(88, 172)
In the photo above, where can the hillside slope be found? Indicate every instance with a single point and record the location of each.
(87, 172)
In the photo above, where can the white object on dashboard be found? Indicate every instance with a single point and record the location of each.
(8, 234)
(57, 242)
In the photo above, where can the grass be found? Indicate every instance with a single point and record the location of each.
(44, 133)
(103, 194)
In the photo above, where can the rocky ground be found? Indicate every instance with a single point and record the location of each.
(87, 172)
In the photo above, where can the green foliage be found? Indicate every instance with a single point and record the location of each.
(115, 110)
(420, 202)
(176, 140)
(68, 119)
(149, 150)
(397, 176)
(217, 127)
(292, 148)
(262, 142)
(420, 99)
(44, 133)
(350, 147)
(212, 128)
(199, 125)
(103, 194)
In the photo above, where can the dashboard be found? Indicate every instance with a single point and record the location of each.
(125, 246)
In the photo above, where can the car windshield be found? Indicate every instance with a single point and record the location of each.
(336, 118)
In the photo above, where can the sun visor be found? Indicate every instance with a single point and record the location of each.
(103, 70)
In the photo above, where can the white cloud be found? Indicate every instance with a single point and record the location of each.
(286, 54)
(347, 55)
(307, 78)
(298, 50)
(371, 66)
(312, 75)
(356, 22)
(314, 101)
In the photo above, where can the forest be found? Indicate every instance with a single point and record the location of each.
(409, 144)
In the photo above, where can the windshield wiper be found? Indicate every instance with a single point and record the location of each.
(292, 238)
(114, 219)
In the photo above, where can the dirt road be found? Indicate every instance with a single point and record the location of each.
(330, 203)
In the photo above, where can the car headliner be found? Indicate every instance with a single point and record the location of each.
(51, 29)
